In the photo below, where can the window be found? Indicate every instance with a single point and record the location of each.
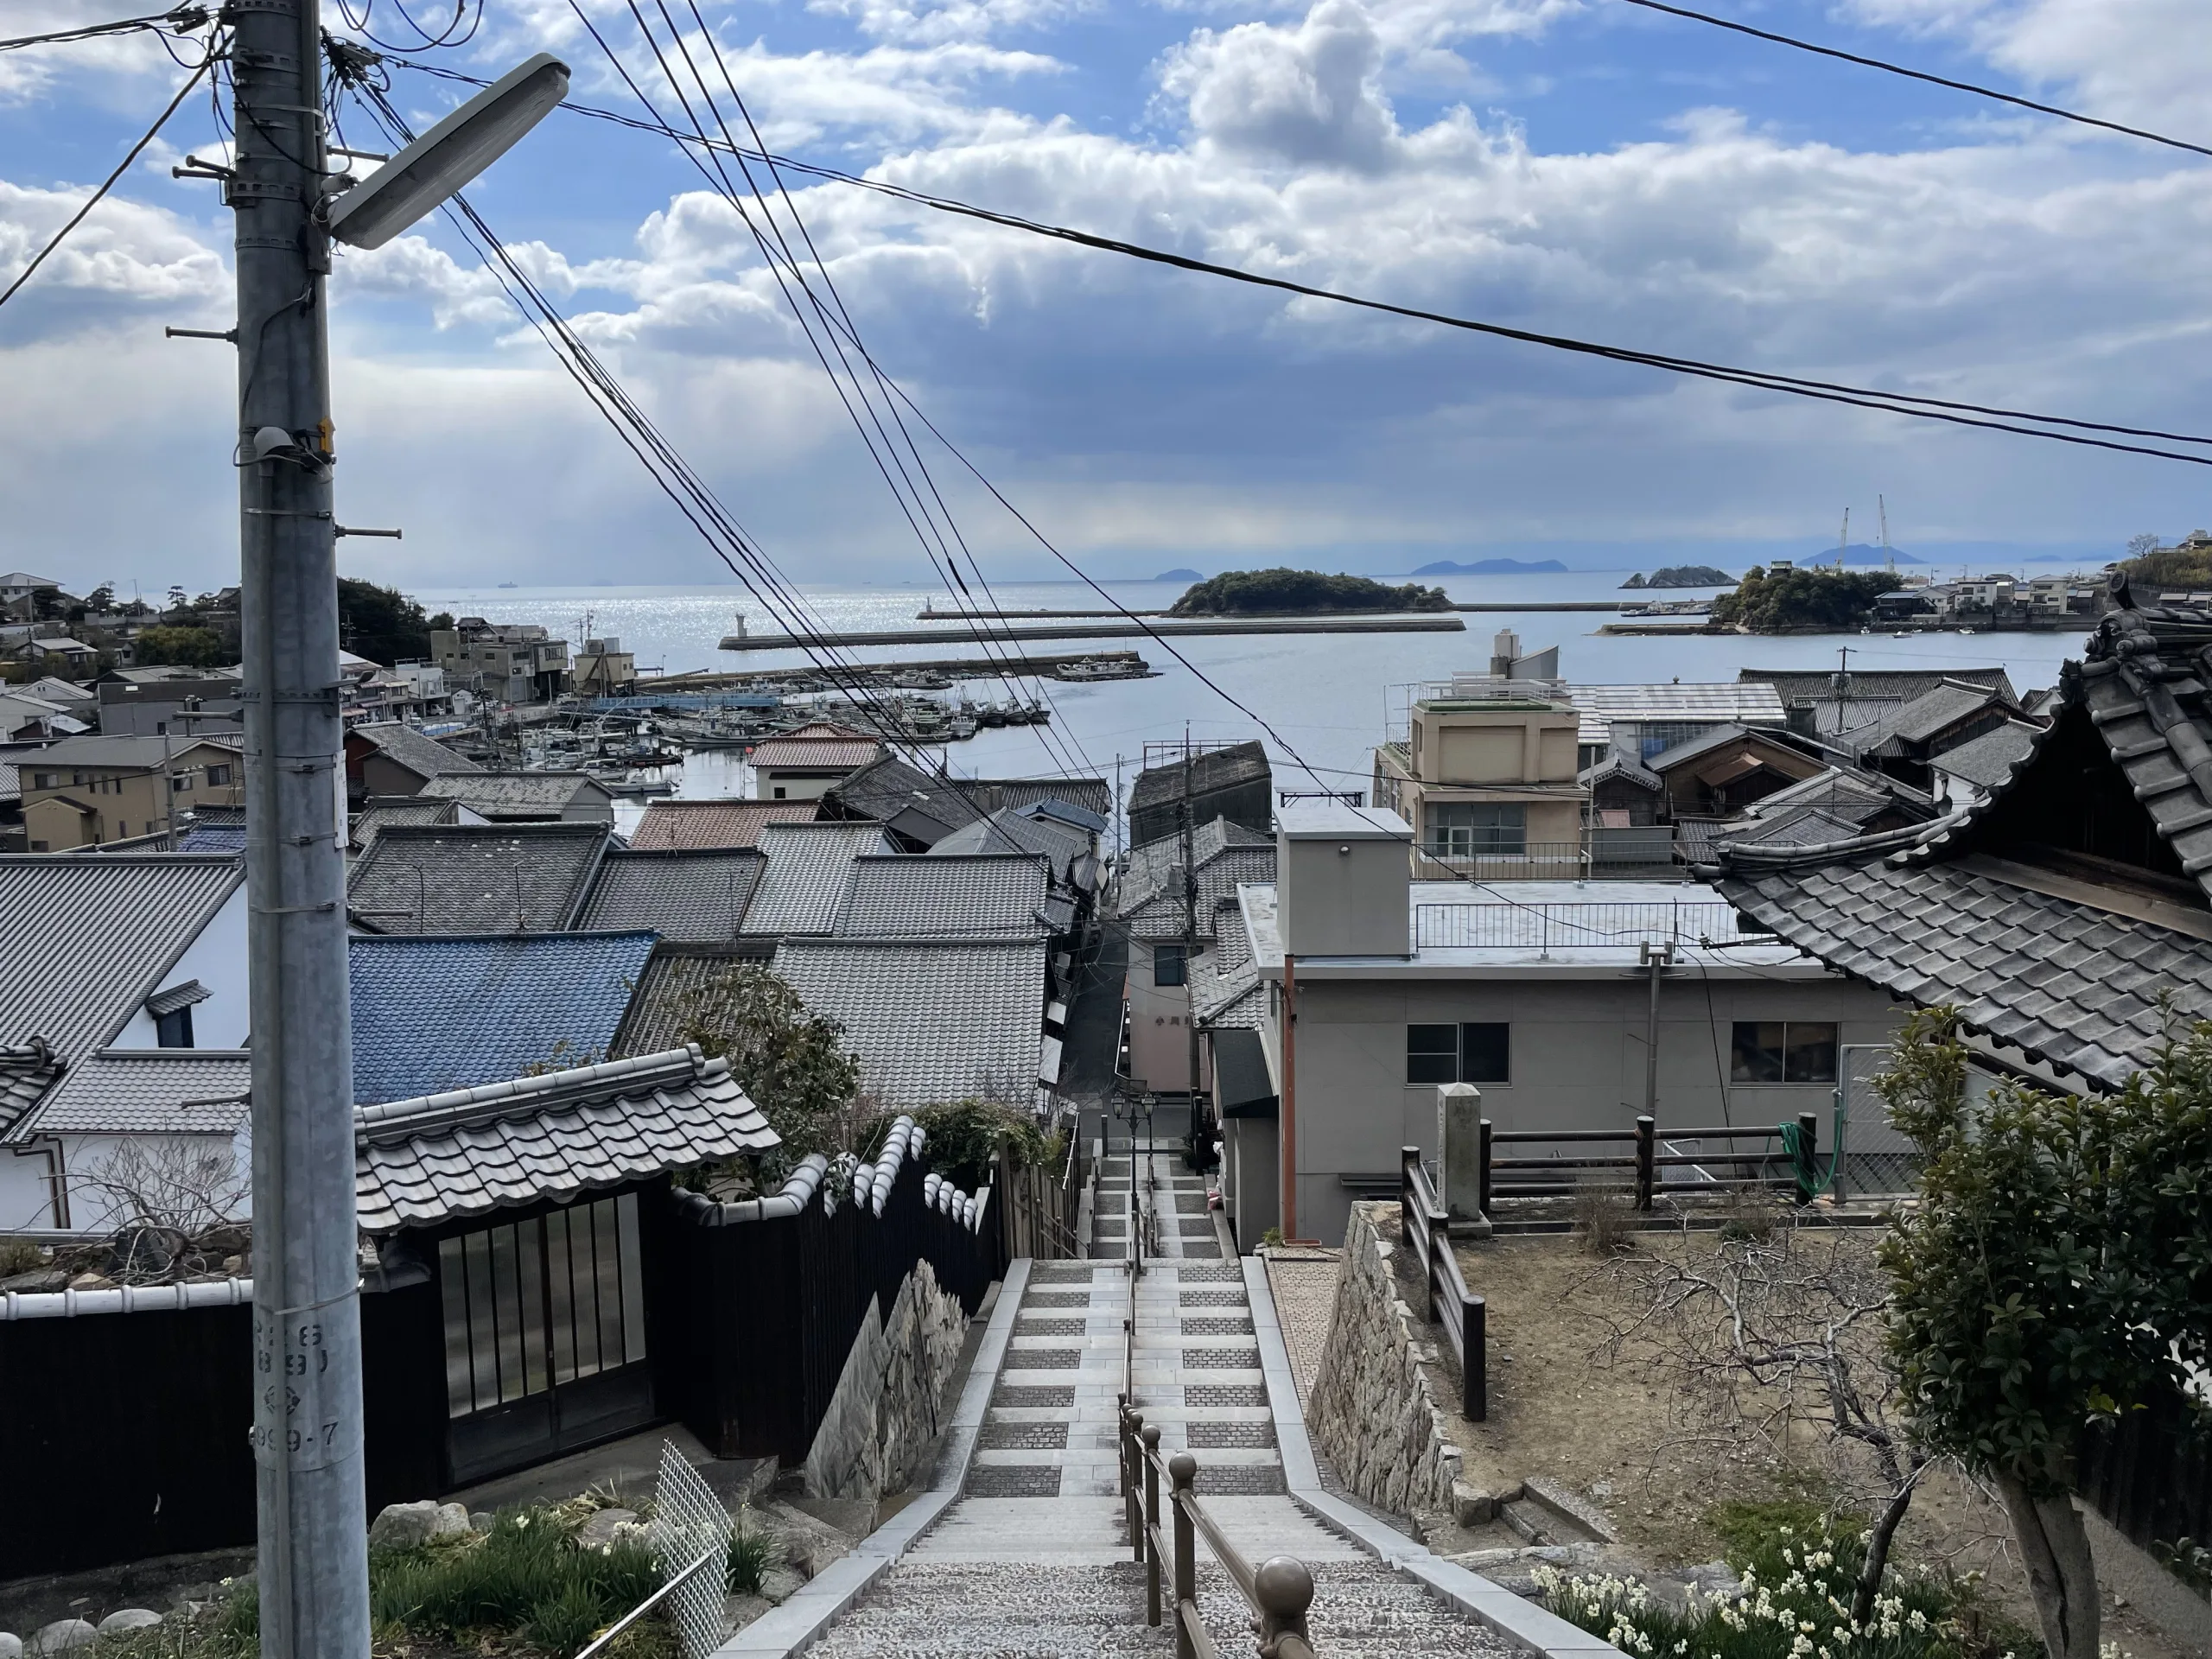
(779, 791)
(1473, 829)
(1473, 1052)
(181, 782)
(45, 781)
(1774, 1051)
(1170, 964)
(173, 1029)
(219, 776)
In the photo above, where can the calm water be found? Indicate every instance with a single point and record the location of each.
(1327, 697)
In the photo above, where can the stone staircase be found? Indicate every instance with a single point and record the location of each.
(1034, 1560)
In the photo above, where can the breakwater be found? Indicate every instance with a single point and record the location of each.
(992, 631)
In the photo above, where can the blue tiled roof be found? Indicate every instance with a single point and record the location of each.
(433, 1013)
(213, 838)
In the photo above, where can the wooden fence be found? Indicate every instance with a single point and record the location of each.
(1445, 1300)
(1555, 1174)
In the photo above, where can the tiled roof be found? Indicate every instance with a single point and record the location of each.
(1227, 854)
(83, 940)
(1007, 831)
(698, 896)
(671, 824)
(27, 1071)
(669, 995)
(383, 813)
(936, 895)
(1818, 685)
(1094, 795)
(924, 808)
(2070, 984)
(1067, 812)
(506, 794)
(150, 1092)
(213, 838)
(930, 1020)
(1225, 984)
(128, 753)
(805, 882)
(795, 753)
(1619, 763)
(422, 1162)
(1988, 761)
(438, 1013)
(1240, 763)
(425, 756)
(502, 878)
(1926, 716)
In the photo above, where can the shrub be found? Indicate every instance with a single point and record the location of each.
(1605, 1215)
(965, 1135)
(751, 1549)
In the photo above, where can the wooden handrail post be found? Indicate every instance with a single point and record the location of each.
(1474, 1368)
(1182, 1470)
(1483, 1189)
(1646, 1148)
(1151, 1522)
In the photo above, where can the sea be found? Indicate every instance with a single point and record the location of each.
(1321, 702)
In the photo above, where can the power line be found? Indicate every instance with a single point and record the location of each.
(1990, 418)
(181, 20)
(1887, 67)
(108, 183)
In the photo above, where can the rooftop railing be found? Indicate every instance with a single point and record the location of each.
(1503, 926)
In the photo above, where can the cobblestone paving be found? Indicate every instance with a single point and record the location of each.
(1028, 1327)
(1240, 1480)
(1213, 1298)
(1224, 1326)
(1225, 1274)
(1206, 1436)
(1035, 1397)
(1023, 1437)
(1304, 1289)
(1013, 1480)
(1190, 1204)
(1221, 1395)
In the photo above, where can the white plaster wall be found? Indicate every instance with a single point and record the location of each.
(26, 1188)
(218, 960)
(1159, 1041)
(92, 1210)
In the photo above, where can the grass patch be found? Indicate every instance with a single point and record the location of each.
(1800, 1567)
(752, 1551)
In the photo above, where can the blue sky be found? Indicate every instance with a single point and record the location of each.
(1573, 166)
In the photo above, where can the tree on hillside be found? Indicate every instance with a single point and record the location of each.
(2139, 546)
(184, 647)
(2056, 1275)
(381, 624)
(1256, 592)
(1766, 602)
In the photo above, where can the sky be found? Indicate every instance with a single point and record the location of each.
(1578, 166)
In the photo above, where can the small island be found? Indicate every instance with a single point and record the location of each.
(1801, 601)
(1492, 567)
(1289, 592)
(1681, 576)
(1179, 575)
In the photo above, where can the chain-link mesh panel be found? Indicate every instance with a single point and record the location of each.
(1876, 1158)
(688, 1522)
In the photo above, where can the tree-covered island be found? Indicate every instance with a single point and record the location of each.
(1279, 592)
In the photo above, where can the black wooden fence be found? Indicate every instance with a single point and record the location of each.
(2151, 1475)
(1446, 1301)
(123, 1435)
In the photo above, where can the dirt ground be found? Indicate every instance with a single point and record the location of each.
(1617, 1425)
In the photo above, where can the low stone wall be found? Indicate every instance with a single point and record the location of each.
(1373, 1410)
(887, 1408)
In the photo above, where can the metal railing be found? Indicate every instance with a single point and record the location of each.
(1445, 1300)
(1565, 926)
(1536, 860)
(1645, 1158)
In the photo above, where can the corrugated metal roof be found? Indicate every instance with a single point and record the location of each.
(149, 1091)
(436, 1013)
(804, 882)
(469, 879)
(422, 1162)
(699, 896)
(83, 940)
(669, 825)
(935, 894)
(1745, 702)
(930, 1020)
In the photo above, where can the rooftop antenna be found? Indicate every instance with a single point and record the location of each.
(1888, 553)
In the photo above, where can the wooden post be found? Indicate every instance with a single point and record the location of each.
(1808, 1162)
(1409, 1161)
(1151, 1522)
(1474, 1380)
(1482, 1192)
(1646, 1139)
(1182, 1470)
(1129, 1482)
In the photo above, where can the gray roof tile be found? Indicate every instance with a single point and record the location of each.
(519, 794)
(939, 895)
(674, 979)
(473, 878)
(698, 896)
(805, 882)
(671, 824)
(932, 1020)
(27, 1071)
(149, 1091)
(422, 755)
(420, 1163)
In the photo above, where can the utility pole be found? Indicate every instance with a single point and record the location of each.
(1190, 941)
(311, 1494)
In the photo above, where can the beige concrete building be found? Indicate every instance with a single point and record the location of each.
(88, 791)
(1486, 778)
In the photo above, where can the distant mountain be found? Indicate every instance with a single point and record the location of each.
(1491, 567)
(1178, 575)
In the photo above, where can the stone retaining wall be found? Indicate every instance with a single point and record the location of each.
(887, 1409)
(1373, 1410)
